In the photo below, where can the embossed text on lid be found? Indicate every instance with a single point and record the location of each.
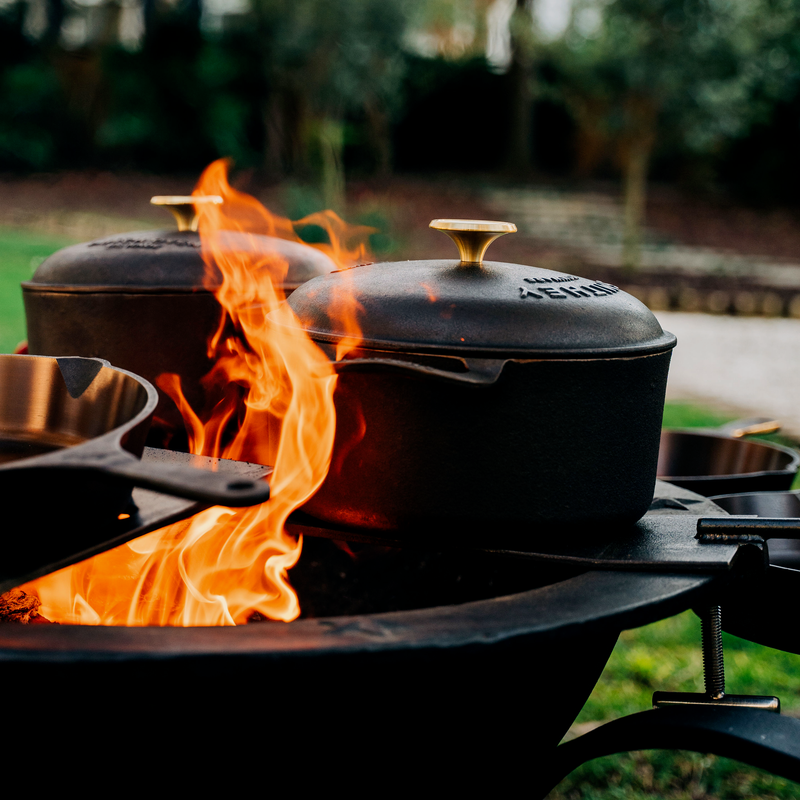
(162, 261)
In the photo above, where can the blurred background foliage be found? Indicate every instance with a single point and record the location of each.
(701, 92)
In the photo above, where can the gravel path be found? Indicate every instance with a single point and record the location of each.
(747, 364)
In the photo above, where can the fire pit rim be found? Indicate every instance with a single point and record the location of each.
(591, 601)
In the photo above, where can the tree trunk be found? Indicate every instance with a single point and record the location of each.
(641, 116)
(592, 143)
(331, 147)
(55, 18)
(518, 155)
(274, 135)
(380, 136)
(150, 15)
(298, 132)
(635, 198)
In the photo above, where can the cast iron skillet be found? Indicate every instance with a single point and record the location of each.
(72, 431)
(721, 462)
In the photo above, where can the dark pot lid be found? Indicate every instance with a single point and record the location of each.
(164, 260)
(476, 307)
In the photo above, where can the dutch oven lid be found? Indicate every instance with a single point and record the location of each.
(165, 260)
(480, 307)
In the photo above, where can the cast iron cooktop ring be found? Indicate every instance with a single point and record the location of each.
(589, 602)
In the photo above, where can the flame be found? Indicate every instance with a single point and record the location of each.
(273, 404)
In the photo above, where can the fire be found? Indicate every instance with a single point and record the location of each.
(273, 393)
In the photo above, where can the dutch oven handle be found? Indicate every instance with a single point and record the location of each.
(480, 371)
(216, 488)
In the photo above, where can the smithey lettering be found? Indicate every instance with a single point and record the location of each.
(596, 289)
(558, 279)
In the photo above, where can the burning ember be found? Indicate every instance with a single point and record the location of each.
(272, 396)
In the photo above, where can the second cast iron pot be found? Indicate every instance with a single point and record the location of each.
(145, 302)
(487, 396)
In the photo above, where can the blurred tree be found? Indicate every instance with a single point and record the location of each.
(159, 100)
(322, 59)
(763, 163)
(30, 101)
(634, 69)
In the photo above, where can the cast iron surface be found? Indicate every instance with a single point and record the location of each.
(546, 443)
(149, 334)
(71, 433)
(492, 309)
(714, 464)
(142, 301)
(146, 511)
(485, 393)
(166, 261)
(782, 552)
(662, 541)
(761, 504)
(362, 682)
(760, 738)
(591, 602)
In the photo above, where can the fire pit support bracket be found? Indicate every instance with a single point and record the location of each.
(747, 728)
(714, 675)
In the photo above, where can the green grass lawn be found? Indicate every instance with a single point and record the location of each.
(690, 415)
(20, 253)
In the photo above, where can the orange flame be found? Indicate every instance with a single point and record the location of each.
(273, 395)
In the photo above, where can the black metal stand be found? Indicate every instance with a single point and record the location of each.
(755, 737)
(747, 728)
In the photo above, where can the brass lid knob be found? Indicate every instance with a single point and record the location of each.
(472, 236)
(184, 208)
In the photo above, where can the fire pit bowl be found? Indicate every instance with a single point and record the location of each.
(479, 685)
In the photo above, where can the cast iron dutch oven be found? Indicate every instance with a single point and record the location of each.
(142, 300)
(488, 394)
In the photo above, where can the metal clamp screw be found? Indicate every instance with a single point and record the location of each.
(714, 675)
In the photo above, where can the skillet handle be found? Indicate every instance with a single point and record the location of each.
(752, 426)
(215, 488)
(480, 371)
